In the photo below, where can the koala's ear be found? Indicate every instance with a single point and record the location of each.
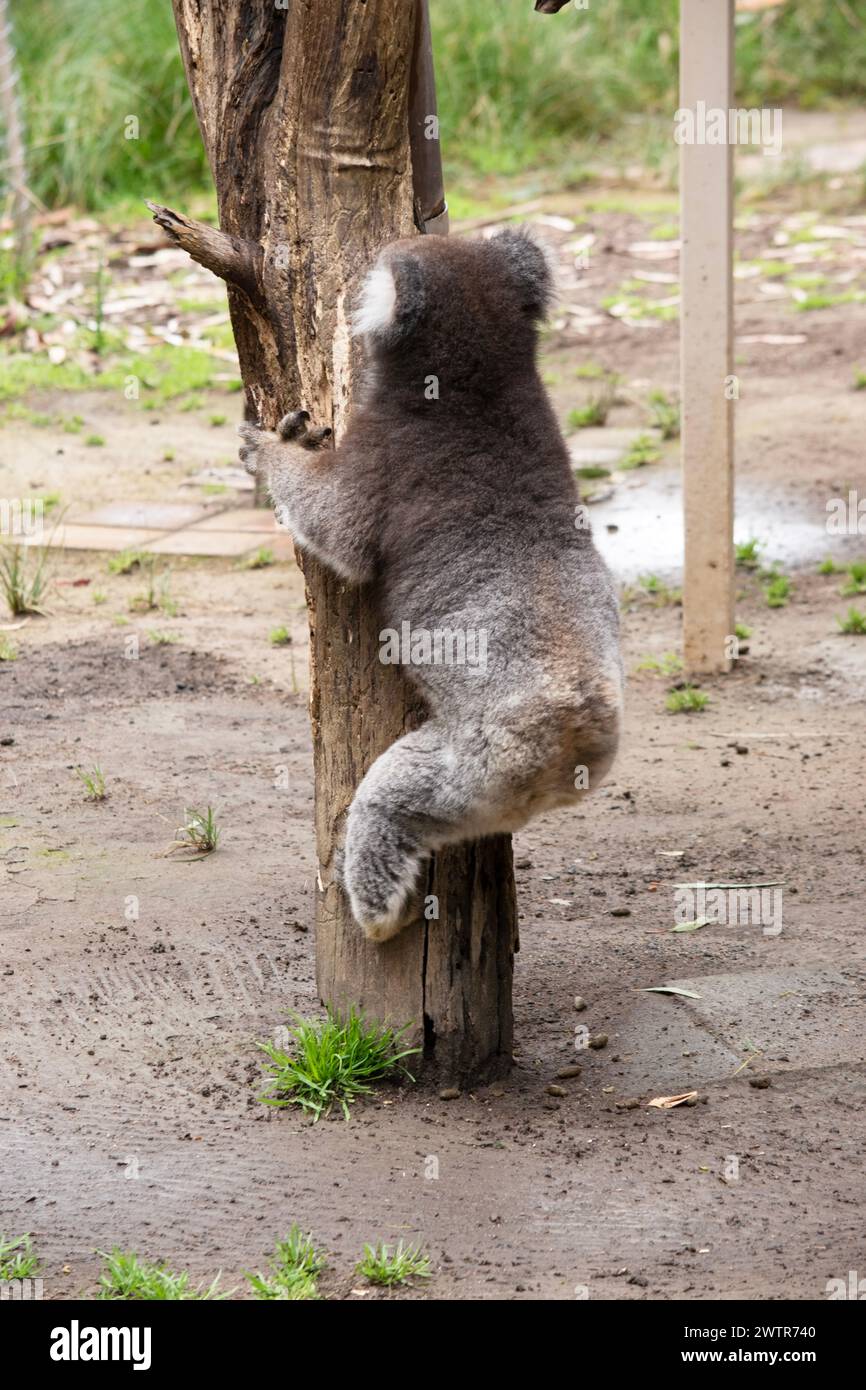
(392, 298)
(530, 266)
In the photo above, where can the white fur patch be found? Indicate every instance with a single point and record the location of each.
(377, 302)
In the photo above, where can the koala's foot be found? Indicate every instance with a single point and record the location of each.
(379, 874)
(292, 429)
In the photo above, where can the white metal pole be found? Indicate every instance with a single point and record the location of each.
(706, 335)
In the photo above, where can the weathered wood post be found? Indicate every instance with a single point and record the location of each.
(320, 158)
(706, 340)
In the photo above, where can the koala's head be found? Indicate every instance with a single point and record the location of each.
(468, 309)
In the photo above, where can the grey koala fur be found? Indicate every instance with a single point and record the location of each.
(462, 512)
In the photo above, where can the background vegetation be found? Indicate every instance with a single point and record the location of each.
(517, 90)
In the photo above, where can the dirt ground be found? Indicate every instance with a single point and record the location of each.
(135, 986)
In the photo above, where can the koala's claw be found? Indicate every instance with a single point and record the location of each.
(293, 428)
(293, 425)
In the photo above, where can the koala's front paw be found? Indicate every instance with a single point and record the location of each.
(292, 429)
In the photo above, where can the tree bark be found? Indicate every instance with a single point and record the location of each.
(305, 115)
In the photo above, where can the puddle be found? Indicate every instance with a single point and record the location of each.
(648, 514)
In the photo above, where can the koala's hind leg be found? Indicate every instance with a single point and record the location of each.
(416, 797)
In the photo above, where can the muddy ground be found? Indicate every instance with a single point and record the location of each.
(135, 986)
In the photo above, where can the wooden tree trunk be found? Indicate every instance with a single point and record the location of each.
(305, 116)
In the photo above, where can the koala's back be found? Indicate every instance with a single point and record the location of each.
(481, 531)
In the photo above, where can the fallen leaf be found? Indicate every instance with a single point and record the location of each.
(691, 926)
(670, 989)
(762, 883)
(669, 1102)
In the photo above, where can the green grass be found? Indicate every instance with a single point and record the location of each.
(156, 594)
(279, 637)
(828, 301)
(741, 631)
(94, 441)
(747, 554)
(640, 452)
(778, 591)
(829, 566)
(8, 650)
(18, 1259)
(293, 1270)
(857, 579)
(517, 90)
(333, 1061)
(688, 700)
(163, 375)
(853, 624)
(597, 408)
(665, 415)
(591, 371)
(774, 270)
(199, 832)
(126, 1277)
(859, 379)
(669, 664)
(126, 561)
(387, 1265)
(94, 783)
(259, 560)
(23, 578)
(661, 595)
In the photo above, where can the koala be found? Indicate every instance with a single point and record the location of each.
(451, 494)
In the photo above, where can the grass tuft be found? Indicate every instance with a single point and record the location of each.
(641, 451)
(669, 664)
(259, 560)
(853, 624)
(333, 1061)
(747, 554)
(293, 1270)
(18, 1259)
(598, 407)
(686, 700)
(857, 579)
(94, 782)
(665, 415)
(127, 1277)
(199, 832)
(778, 591)
(386, 1266)
(23, 579)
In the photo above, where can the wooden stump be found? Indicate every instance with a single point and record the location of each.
(313, 121)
